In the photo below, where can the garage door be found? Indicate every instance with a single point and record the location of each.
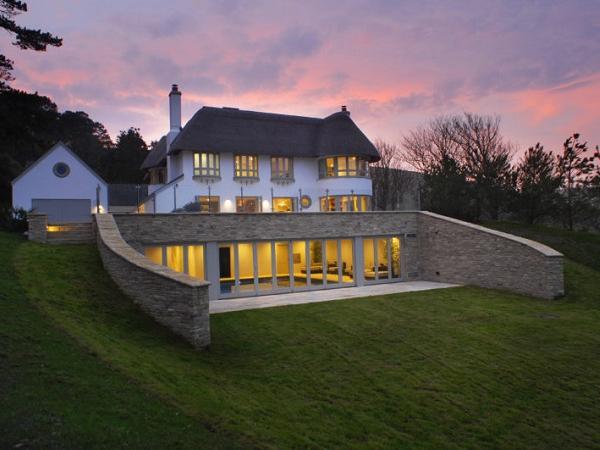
(64, 210)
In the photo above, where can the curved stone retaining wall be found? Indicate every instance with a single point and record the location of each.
(173, 299)
(437, 248)
(454, 251)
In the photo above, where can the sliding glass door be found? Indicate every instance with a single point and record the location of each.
(381, 259)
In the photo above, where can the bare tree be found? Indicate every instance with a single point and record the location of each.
(430, 145)
(389, 181)
(473, 145)
(486, 159)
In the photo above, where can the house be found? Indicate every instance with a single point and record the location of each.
(231, 160)
(62, 186)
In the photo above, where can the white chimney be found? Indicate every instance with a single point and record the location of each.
(175, 108)
(173, 169)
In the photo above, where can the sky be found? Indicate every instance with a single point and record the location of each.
(395, 64)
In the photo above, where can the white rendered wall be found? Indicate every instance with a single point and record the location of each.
(306, 177)
(40, 181)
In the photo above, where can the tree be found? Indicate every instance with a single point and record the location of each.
(25, 38)
(575, 172)
(471, 145)
(125, 159)
(429, 145)
(447, 191)
(27, 130)
(536, 184)
(87, 138)
(486, 158)
(389, 181)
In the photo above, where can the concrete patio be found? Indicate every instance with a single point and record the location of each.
(297, 298)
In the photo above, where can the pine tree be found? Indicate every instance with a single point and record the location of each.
(536, 184)
(25, 38)
(575, 172)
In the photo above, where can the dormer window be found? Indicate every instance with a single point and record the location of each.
(282, 168)
(207, 165)
(343, 166)
(246, 166)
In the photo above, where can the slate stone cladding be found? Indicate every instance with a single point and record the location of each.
(145, 229)
(173, 299)
(458, 252)
(435, 248)
(37, 225)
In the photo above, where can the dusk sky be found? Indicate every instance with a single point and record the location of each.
(396, 64)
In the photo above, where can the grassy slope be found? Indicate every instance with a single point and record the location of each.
(55, 393)
(463, 367)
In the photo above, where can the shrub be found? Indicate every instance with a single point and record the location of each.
(12, 219)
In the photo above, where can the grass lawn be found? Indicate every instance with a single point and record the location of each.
(454, 368)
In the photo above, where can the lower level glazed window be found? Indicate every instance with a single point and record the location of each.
(346, 203)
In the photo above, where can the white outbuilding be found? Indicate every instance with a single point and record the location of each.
(62, 186)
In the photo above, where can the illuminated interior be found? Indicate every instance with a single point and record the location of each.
(298, 262)
(250, 268)
(346, 203)
(377, 254)
(173, 257)
(246, 267)
(265, 269)
(247, 204)
(154, 254)
(283, 204)
(343, 166)
(282, 257)
(196, 261)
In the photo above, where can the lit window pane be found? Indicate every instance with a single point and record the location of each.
(154, 254)
(175, 257)
(196, 261)
(265, 271)
(395, 257)
(369, 259)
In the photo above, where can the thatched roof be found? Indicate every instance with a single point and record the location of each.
(230, 130)
(157, 154)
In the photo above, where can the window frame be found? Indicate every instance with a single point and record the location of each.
(279, 173)
(240, 199)
(345, 203)
(212, 166)
(344, 166)
(213, 203)
(294, 202)
(239, 172)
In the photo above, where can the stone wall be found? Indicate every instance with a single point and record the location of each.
(435, 248)
(37, 225)
(173, 299)
(143, 229)
(459, 252)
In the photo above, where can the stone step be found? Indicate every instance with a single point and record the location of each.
(71, 241)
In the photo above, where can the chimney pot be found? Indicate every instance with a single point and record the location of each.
(345, 110)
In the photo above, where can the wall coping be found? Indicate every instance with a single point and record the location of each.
(109, 233)
(267, 213)
(541, 248)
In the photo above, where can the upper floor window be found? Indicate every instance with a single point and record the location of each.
(246, 166)
(281, 168)
(343, 166)
(206, 165)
